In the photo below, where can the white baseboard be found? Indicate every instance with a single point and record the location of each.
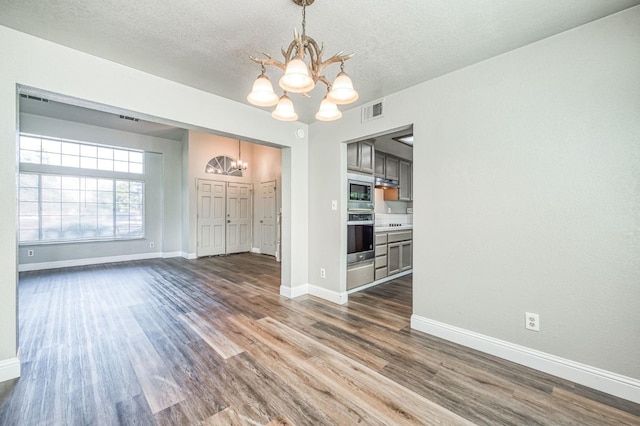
(293, 292)
(256, 250)
(9, 369)
(172, 254)
(87, 261)
(605, 381)
(301, 290)
(330, 295)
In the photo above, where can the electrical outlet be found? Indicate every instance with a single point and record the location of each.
(532, 321)
(152, 244)
(334, 204)
(323, 273)
(30, 253)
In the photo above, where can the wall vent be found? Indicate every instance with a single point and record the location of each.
(126, 117)
(35, 98)
(373, 110)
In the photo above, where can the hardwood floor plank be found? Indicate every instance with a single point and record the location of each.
(348, 344)
(580, 404)
(216, 340)
(134, 411)
(228, 417)
(387, 401)
(281, 421)
(159, 387)
(211, 341)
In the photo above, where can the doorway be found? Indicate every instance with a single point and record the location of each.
(224, 217)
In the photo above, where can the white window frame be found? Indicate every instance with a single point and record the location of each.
(41, 170)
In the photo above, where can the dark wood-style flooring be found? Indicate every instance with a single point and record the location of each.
(211, 342)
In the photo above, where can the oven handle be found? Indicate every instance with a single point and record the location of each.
(361, 222)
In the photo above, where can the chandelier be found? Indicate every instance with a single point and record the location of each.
(239, 164)
(300, 77)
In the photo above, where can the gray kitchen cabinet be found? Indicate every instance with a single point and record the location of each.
(393, 258)
(392, 171)
(353, 156)
(399, 252)
(381, 255)
(405, 181)
(360, 274)
(360, 156)
(380, 165)
(406, 255)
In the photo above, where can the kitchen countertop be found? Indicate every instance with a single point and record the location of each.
(393, 228)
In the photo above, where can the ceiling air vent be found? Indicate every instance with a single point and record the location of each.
(126, 117)
(35, 98)
(373, 110)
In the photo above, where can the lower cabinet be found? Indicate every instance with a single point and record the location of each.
(381, 255)
(394, 251)
(399, 257)
(360, 274)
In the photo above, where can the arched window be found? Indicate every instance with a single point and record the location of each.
(222, 165)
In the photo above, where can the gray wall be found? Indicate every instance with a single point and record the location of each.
(526, 194)
(162, 202)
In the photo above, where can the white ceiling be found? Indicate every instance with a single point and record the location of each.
(206, 44)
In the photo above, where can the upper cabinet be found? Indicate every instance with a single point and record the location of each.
(405, 181)
(360, 156)
(380, 165)
(392, 165)
(387, 166)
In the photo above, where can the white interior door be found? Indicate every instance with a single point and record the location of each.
(238, 217)
(211, 218)
(267, 218)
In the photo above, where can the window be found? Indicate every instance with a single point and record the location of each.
(57, 207)
(56, 152)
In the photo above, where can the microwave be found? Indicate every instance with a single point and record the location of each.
(360, 192)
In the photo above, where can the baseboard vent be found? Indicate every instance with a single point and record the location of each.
(373, 110)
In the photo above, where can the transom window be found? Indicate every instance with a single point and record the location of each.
(56, 152)
(78, 206)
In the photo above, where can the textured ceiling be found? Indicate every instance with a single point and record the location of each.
(206, 44)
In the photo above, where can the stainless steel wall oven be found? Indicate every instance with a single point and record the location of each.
(360, 236)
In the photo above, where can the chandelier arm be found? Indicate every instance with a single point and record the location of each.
(323, 79)
(288, 54)
(338, 57)
(299, 43)
(269, 61)
(315, 56)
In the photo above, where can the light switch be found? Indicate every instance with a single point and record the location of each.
(334, 204)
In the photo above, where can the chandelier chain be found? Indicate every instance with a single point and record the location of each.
(304, 19)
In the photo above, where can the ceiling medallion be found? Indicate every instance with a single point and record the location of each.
(301, 77)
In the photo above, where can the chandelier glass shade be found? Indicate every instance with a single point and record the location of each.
(328, 111)
(303, 68)
(262, 93)
(342, 92)
(296, 78)
(284, 110)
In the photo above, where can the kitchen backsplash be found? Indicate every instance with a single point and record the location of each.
(384, 219)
